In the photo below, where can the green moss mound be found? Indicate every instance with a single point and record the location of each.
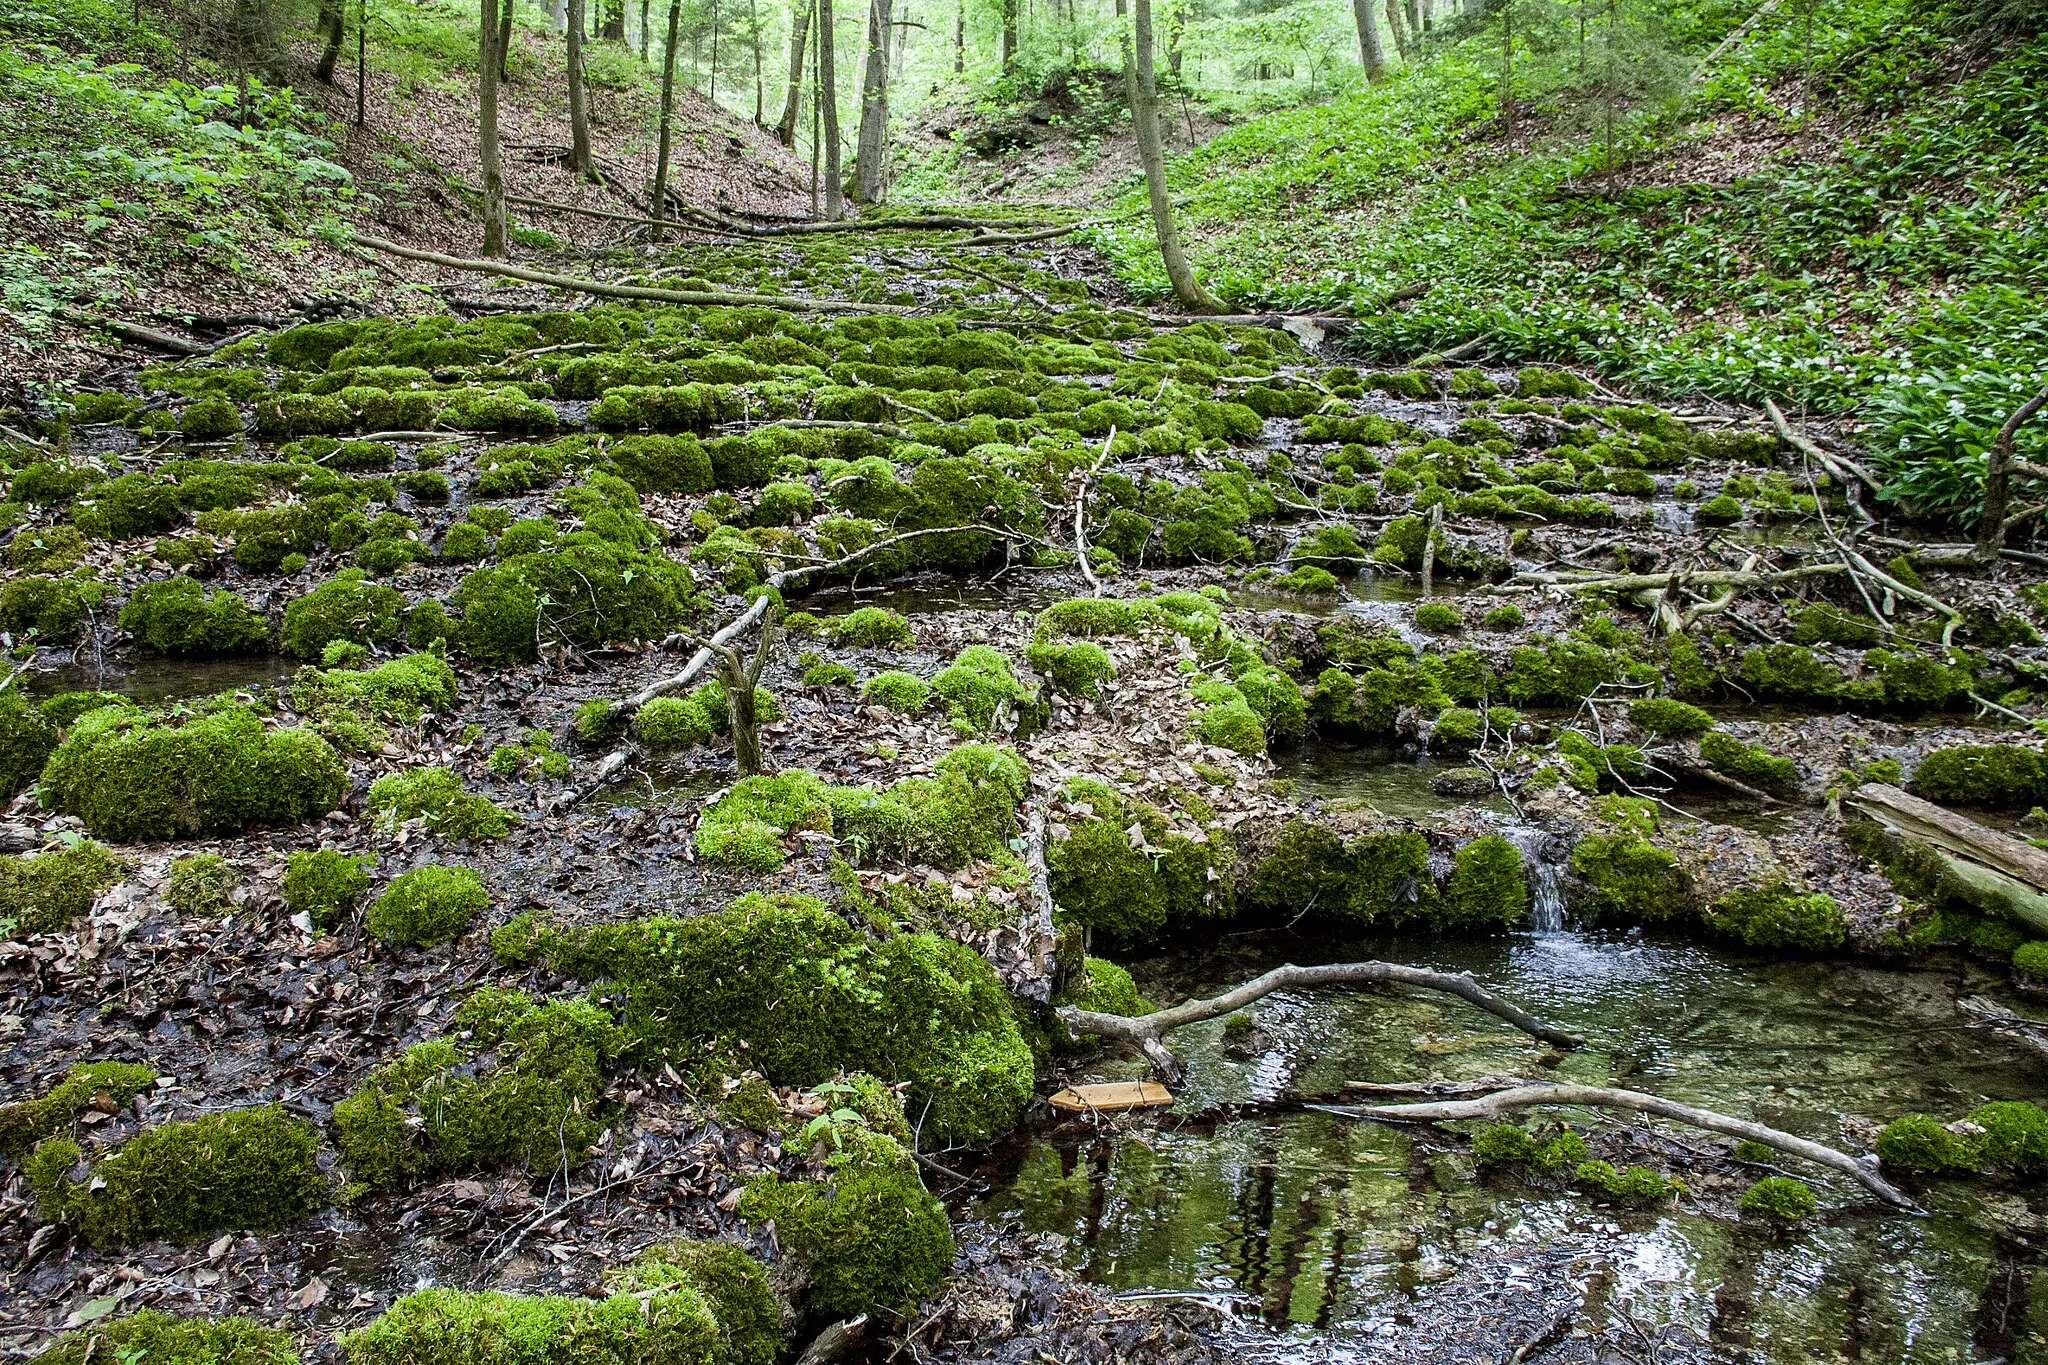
(897, 690)
(807, 995)
(347, 607)
(132, 774)
(1627, 875)
(1077, 668)
(324, 885)
(24, 1123)
(428, 905)
(1487, 887)
(242, 1170)
(584, 592)
(977, 686)
(871, 1240)
(437, 796)
(874, 627)
(1779, 1198)
(1636, 1185)
(1383, 876)
(1667, 718)
(1751, 763)
(27, 737)
(42, 893)
(160, 1338)
(455, 1327)
(436, 1107)
(1778, 917)
(2001, 776)
(733, 1283)
(200, 884)
(177, 616)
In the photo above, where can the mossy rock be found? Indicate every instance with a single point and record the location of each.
(347, 607)
(132, 774)
(1627, 875)
(54, 610)
(324, 885)
(27, 738)
(1099, 879)
(1369, 876)
(428, 905)
(1779, 1199)
(43, 893)
(164, 1339)
(733, 1283)
(178, 616)
(1777, 917)
(584, 592)
(241, 1170)
(869, 1240)
(2000, 776)
(437, 797)
(201, 884)
(457, 1327)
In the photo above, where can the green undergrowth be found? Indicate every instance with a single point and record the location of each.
(42, 893)
(24, 1123)
(800, 994)
(166, 1339)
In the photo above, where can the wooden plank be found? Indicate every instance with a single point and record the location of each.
(1111, 1097)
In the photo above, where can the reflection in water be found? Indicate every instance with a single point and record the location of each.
(1357, 1241)
(1377, 776)
(153, 680)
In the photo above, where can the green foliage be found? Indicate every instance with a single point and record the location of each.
(161, 1339)
(324, 885)
(583, 592)
(1077, 668)
(874, 627)
(436, 795)
(733, 1284)
(1781, 1199)
(131, 774)
(346, 607)
(1669, 719)
(802, 995)
(1439, 618)
(177, 616)
(244, 1169)
(56, 610)
(439, 1107)
(427, 905)
(200, 884)
(24, 1123)
(1487, 886)
(1636, 1185)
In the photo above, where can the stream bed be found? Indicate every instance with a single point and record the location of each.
(1321, 1238)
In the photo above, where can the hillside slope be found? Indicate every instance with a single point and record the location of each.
(128, 189)
(1847, 215)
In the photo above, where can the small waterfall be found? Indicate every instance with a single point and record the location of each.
(1543, 856)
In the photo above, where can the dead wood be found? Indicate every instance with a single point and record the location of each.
(1842, 468)
(141, 336)
(835, 1341)
(1863, 1170)
(1147, 1032)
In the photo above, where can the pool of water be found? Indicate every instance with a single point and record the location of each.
(1378, 775)
(1326, 1238)
(157, 680)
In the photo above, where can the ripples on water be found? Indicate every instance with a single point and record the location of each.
(1337, 1240)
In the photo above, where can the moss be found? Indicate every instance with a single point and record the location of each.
(1628, 875)
(49, 551)
(1636, 1185)
(870, 1240)
(1370, 877)
(873, 627)
(428, 905)
(1439, 618)
(54, 610)
(822, 672)
(163, 1339)
(2031, 959)
(132, 505)
(27, 737)
(324, 885)
(1310, 580)
(25, 1123)
(535, 756)
(1719, 510)
(436, 796)
(200, 885)
(1101, 880)
(1793, 672)
(44, 892)
(733, 1283)
(803, 995)
(1751, 763)
(131, 774)
(1504, 1144)
(673, 723)
(1779, 1199)
(1917, 1142)
(1779, 918)
(897, 690)
(1107, 988)
(977, 686)
(1824, 624)
(1690, 675)
(1487, 885)
(347, 607)
(244, 1169)
(1913, 682)
(1077, 668)
(522, 1086)
(2002, 776)
(584, 592)
(1096, 616)
(673, 1325)
(1668, 719)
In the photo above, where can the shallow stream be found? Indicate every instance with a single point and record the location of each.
(1322, 1238)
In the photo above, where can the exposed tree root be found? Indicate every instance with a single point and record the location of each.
(1863, 1170)
(1147, 1032)
(1844, 470)
(601, 289)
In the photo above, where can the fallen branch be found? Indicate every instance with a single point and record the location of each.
(611, 216)
(1699, 578)
(834, 1342)
(1862, 1170)
(1018, 239)
(601, 289)
(1146, 1032)
(1081, 514)
(141, 336)
(1843, 469)
(1041, 935)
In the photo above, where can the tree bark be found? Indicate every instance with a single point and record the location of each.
(872, 144)
(754, 42)
(959, 37)
(329, 21)
(1010, 34)
(644, 40)
(659, 199)
(828, 99)
(1370, 54)
(505, 40)
(1147, 1032)
(487, 129)
(1998, 479)
(1861, 1170)
(579, 103)
(1397, 25)
(614, 29)
(1141, 94)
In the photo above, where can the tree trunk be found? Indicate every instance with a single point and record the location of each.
(959, 37)
(828, 99)
(614, 21)
(1370, 53)
(579, 103)
(754, 41)
(1998, 479)
(644, 43)
(329, 22)
(1397, 24)
(1507, 72)
(1010, 34)
(505, 41)
(1141, 93)
(739, 700)
(713, 94)
(362, 63)
(487, 129)
(659, 197)
(873, 141)
(792, 102)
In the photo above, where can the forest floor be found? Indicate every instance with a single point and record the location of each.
(1538, 476)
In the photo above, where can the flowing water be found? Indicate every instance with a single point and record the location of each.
(1324, 1238)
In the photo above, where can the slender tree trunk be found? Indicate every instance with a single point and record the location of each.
(1370, 54)
(1397, 23)
(505, 41)
(614, 29)
(1507, 72)
(1141, 93)
(362, 63)
(800, 21)
(1176, 29)
(659, 198)
(816, 104)
(329, 21)
(487, 129)
(579, 103)
(828, 97)
(872, 143)
(714, 52)
(754, 39)
(959, 37)
(644, 43)
(1010, 34)
(1998, 479)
